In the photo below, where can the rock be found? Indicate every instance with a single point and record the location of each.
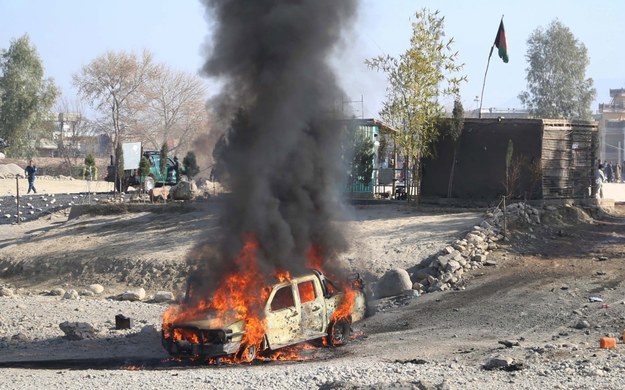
(442, 261)
(448, 250)
(490, 263)
(164, 296)
(498, 362)
(410, 293)
(452, 266)
(479, 258)
(6, 292)
(78, 330)
(474, 238)
(393, 283)
(423, 274)
(87, 293)
(185, 190)
(582, 324)
(417, 286)
(96, 288)
(133, 295)
(57, 291)
(71, 294)
(509, 343)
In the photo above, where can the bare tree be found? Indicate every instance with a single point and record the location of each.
(113, 84)
(172, 109)
(74, 130)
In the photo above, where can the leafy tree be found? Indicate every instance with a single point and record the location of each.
(113, 84)
(144, 167)
(556, 75)
(25, 96)
(144, 171)
(90, 171)
(362, 154)
(189, 164)
(426, 71)
(455, 130)
(163, 162)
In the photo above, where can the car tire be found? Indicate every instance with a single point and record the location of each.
(338, 332)
(246, 353)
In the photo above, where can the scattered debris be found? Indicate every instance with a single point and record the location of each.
(509, 343)
(505, 363)
(607, 342)
(411, 361)
(595, 299)
(6, 292)
(123, 322)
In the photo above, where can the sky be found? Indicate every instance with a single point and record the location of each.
(68, 34)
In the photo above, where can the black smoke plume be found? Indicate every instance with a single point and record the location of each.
(280, 155)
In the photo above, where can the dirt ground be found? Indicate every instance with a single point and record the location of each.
(543, 283)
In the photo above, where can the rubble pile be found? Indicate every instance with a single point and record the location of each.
(516, 214)
(445, 270)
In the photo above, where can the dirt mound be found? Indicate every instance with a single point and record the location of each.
(9, 171)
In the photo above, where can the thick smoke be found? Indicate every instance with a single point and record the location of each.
(280, 155)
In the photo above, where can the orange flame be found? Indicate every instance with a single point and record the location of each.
(283, 276)
(345, 307)
(241, 295)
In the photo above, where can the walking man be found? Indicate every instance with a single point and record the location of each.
(599, 179)
(30, 171)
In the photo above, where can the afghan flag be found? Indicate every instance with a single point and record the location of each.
(500, 42)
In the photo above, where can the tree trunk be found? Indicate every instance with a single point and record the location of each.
(451, 173)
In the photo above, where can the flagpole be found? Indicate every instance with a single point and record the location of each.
(479, 113)
(490, 54)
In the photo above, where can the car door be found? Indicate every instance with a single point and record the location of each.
(283, 317)
(312, 308)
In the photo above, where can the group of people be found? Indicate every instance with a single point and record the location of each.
(608, 173)
(613, 173)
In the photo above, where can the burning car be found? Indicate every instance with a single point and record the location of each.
(294, 310)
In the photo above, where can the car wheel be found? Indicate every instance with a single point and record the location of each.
(338, 332)
(246, 353)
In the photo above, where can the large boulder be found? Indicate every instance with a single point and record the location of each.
(78, 330)
(133, 295)
(393, 283)
(96, 288)
(185, 190)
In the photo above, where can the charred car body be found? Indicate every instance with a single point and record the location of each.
(297, 310)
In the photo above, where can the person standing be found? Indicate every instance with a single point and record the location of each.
(609, 173)
(599, 179)
(31, 170)
(617, 173)
(177, 169)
